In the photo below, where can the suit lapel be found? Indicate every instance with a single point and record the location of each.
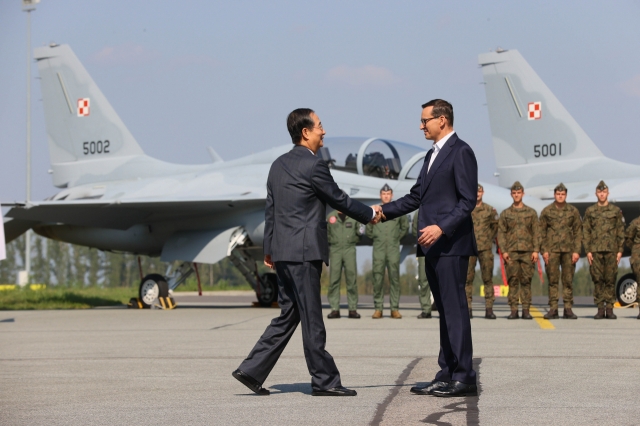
(442, 155)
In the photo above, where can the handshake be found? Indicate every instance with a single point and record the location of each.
(378, 214)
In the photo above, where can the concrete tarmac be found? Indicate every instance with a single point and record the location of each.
(119, 366)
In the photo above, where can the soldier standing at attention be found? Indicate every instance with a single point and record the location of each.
(561, 241)
(343, 233)
(603, 237)
(485, 227)
(386, 238)
(519, 240)
(425, 290)
(632, 238)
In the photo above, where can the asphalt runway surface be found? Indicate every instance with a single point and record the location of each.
(123, 366)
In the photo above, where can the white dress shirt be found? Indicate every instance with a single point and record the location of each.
(437, 147)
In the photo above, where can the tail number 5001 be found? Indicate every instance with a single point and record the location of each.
(93, 147)
(545, 150)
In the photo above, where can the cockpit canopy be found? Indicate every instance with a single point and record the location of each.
(375, 157)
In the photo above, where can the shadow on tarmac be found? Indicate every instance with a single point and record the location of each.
(304, 388)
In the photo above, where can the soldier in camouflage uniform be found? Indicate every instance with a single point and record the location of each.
(485, 228)
(519, 240)
(560, 244)
(632, 239)
(603, 238)
(386, 238)
(425, 290)
(343, 233)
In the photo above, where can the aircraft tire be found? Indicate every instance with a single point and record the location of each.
(269, 292)
(151, 287)
(626, 289)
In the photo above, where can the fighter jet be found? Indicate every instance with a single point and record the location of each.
(115, 197)
(537, 141)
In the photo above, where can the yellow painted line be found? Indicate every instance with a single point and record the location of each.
(543, 323)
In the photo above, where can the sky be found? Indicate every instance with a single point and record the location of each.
(191, 74)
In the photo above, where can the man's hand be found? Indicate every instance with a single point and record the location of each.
(534, 257)
(545, 256)
(590, 258)
(429, 235)
(506, 257)
(268, 263)
(575, 257)
(618, 257)
(379, 215)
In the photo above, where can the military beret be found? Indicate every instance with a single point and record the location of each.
(516, 186)
(602, 186)
(480, 188)
(386, 188)
(560, 188)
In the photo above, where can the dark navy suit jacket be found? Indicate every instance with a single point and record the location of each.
(299, 188)
(446, 196)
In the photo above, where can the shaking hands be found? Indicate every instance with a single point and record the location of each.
(378, 214)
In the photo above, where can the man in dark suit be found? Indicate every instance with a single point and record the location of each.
(445, 193)
(295, 244)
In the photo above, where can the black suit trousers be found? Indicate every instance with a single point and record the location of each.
(299, 300)
(447, 276)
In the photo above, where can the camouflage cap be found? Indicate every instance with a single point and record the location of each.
(480, 188)
(560, 188)
(602, 186)
(386, 188)
(516, 186)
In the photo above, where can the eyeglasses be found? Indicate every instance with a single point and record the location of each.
(424, 121)
(319, 126)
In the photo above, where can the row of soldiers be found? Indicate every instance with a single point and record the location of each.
(558, 234)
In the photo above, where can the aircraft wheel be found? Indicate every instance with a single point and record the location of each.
(269, 291)
(626, 289)
(151, 287)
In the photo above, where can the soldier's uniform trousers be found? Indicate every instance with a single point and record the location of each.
(486, 270)
(557, 261)
(339, 259)
(386, 256)
(425, 290)
(604, 271)
(519, 273)
(635, 267)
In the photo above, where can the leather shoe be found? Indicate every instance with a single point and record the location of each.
(250, 382)
(424, 315)
(337, 391)
(568, 314)
(552, 314)
(488, 314)
(514, 314)
(377, 315)
(609, 313)
(426, 389)
(354, 314)
(526, 314)
(455, 388)
(396, 314)
(334, 314)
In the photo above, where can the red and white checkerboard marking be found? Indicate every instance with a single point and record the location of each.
(83, 107)
(535, 110)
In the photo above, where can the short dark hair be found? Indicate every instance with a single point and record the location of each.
(297, 120)
(441, 107)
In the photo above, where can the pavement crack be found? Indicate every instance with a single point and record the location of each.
(382, 407)
(236, 323)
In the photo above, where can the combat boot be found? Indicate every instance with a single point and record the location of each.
(488, 313)
(552, 314)
(514, 314)
(377, 314)
(396, 314)
(609, 313)
(600, 314)
(526, 314)
(568, 314)
(354, 314)
(334, 314)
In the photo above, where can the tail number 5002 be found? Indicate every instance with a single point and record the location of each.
(93, 147)
(545, 150)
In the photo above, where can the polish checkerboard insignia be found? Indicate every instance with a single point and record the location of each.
(83, 107)
(535, 110)
(332, 220)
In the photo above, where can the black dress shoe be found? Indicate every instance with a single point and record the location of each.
(423, 315)
(354, 314)
(337, 391)
(250, 382)
(456, 389)
(428, 388)
(334, 314)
